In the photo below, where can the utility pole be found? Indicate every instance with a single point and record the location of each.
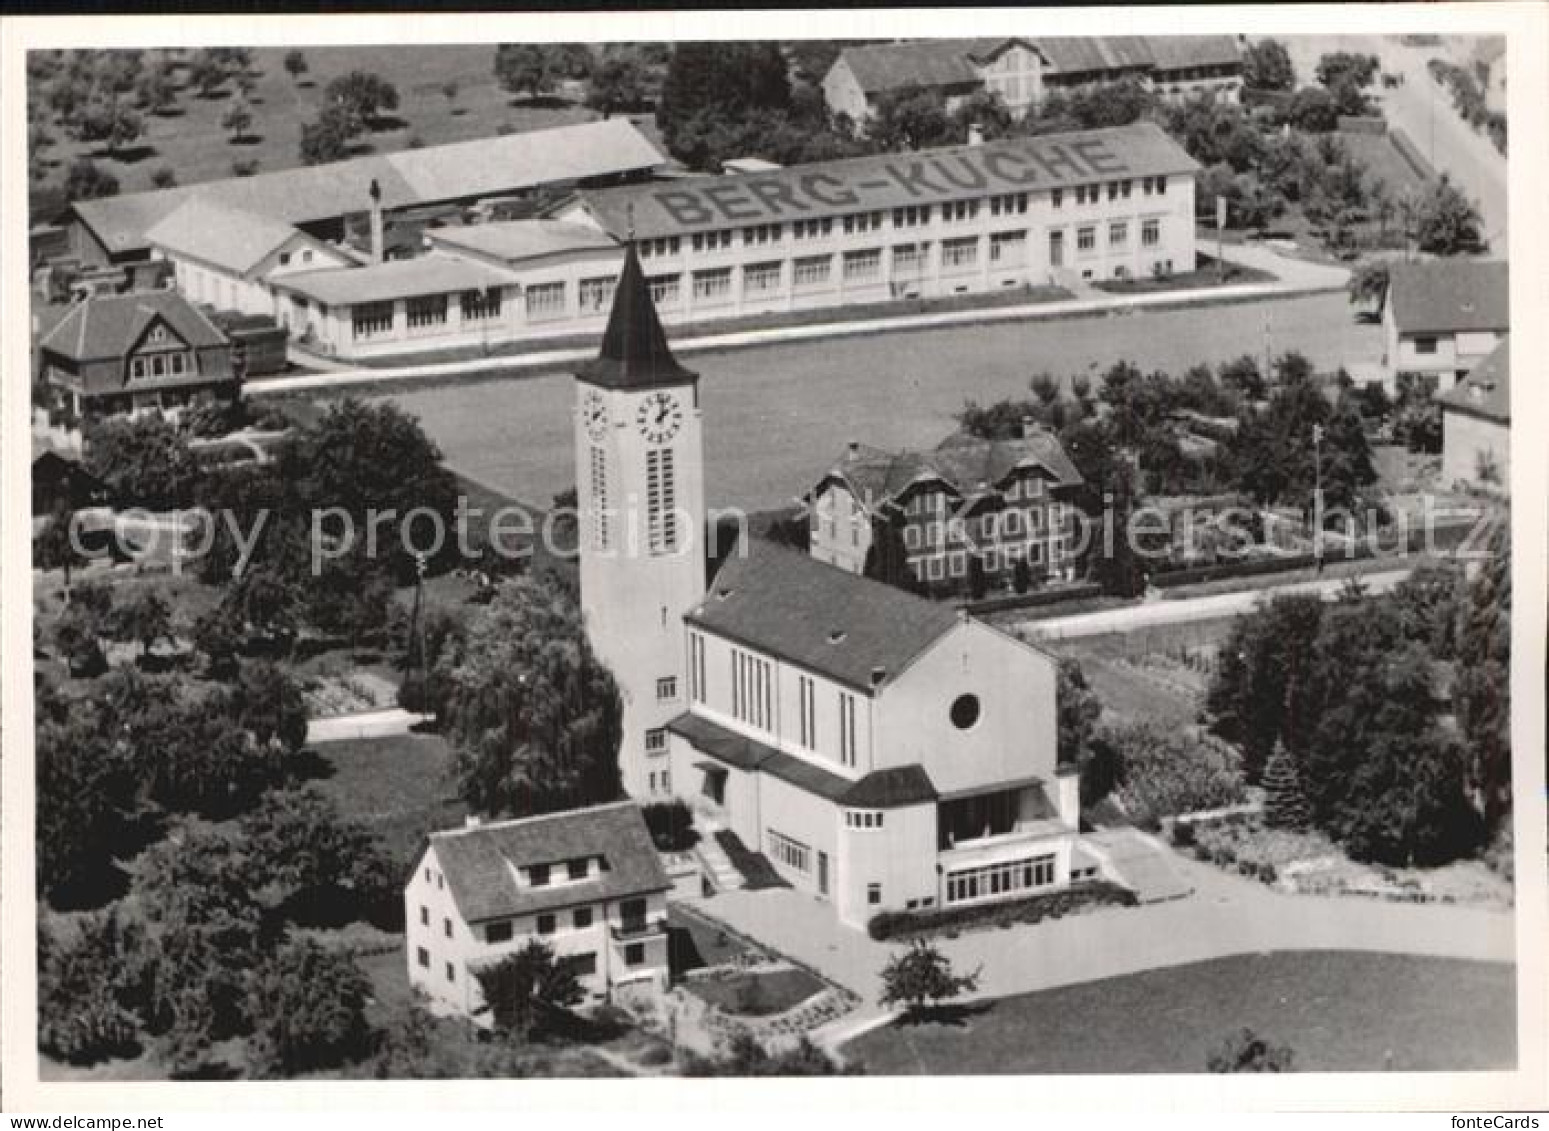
(417, 634)
(1317, 496)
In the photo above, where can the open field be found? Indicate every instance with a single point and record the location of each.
(777, 416)
(195, 146)
(1338, 1011)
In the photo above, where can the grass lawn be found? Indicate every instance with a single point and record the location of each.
(397, 786)
(1339, 1011)
(757, 993)
(192, 142)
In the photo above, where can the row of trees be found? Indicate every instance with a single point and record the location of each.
(1340, 710)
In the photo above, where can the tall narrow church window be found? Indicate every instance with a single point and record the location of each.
(601, 520)
(661, 502)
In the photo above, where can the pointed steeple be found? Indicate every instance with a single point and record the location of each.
(634, 353)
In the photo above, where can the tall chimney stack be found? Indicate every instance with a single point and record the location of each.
(376, 221)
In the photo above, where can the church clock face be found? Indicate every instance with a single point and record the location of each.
(594, 412)
(659, 417)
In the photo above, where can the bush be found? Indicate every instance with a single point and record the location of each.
(671, 825)
(1165, 771)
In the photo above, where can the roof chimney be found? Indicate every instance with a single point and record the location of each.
(1029, 427)
(854, 449)
(878, 674)
(376, 221)
(975, 134)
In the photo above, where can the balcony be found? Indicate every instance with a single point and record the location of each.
(636, 930)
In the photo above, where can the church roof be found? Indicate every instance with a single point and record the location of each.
(788, 604)
(634, 353)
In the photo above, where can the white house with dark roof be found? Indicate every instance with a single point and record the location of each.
(229, 258)
(1023, 70)
(994, 502)
(1476, 425)
(587, 882)
(882, 751)
(1442, 317)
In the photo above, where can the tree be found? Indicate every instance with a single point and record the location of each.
(164, 177)
(718, 85)
(1242, 374)
(55, 547)
(1246, 1051)
(156, 92)
(1482, 691)
(1313, 110)
(295, 64)
(1446, 221)
(90, 988)
(1266, 65)
(887, 558)
(80, 787)
(363, 97)
(1368, 284)
(1340, 67)
(986, 110)
(86, 180)
(528, 987)
(237, 119)
(921, 974)
(532, 713)
(527, 68)
(1078, 710)
(268, 704)
(1163, 771)
(319, 867)
(78, 634)
(144, 618)
(207, 72)
(911, 117)
(326, 138)
(218, 636)
(308, 1005)
(1285, 805)
(618, 83)
(1258, 697)
(144, 461)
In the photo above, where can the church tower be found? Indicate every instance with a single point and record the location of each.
(640, 489)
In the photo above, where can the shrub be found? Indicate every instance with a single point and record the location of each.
(1166, 771)
(1246, 1051)
(909, 924)
(671, 825)
(1183, 834)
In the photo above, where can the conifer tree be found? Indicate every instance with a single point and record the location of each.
(1285, 805)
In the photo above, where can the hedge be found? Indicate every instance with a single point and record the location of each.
(1048, 905)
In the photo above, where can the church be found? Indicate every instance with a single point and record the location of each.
(883, 751)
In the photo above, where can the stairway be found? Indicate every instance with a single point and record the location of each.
(722, 873)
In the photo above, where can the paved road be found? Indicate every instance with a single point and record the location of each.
(1422, 108)
(768, 439)
(1189, 609)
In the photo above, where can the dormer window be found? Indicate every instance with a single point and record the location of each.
(538, 875)
(837, 636)
(577, 869)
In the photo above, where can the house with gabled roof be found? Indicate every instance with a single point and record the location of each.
(1441, 317)
(225, 257)
(1023, 70)
(143, 350)
(969, 507)
(1476, 425)
(586, 882)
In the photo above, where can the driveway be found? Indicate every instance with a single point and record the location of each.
(1226, 915)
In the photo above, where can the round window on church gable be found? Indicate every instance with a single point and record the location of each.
(965, 711)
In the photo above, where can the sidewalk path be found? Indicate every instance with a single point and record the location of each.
(1296, 278)
(367, 724)
(1190, 609)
